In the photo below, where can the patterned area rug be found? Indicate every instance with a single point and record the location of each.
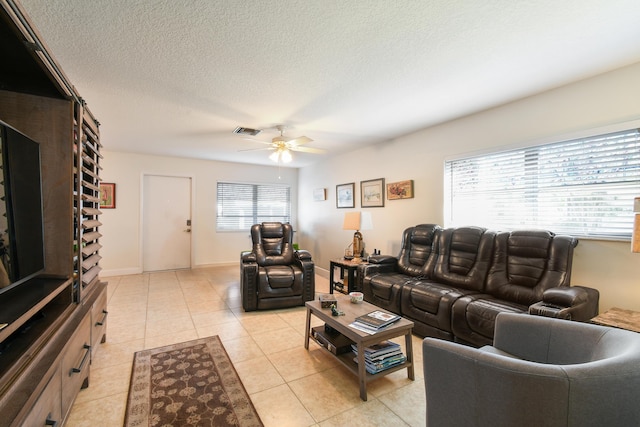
(188, 384)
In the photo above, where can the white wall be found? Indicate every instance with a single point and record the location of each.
(593, 104)
(121, 252)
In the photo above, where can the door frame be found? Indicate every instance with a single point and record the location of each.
(141, 217)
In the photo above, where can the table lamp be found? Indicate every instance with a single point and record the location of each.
(357, 221)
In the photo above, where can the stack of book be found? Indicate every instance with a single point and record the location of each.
(381, 356)
(374, 321)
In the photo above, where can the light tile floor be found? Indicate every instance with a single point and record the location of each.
(288, 385)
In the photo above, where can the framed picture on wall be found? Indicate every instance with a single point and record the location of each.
(372, 193)
(107, 195)
(400, 190)
(319, 194)
(344, 195)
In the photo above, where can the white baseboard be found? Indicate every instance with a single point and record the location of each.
(121, 272)
(322, 272)
(217, 264)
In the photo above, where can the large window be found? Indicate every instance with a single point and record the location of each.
(242, 205)
(582, 187)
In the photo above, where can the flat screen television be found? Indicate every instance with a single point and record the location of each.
(21, 214)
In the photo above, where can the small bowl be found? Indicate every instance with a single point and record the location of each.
(356, 297)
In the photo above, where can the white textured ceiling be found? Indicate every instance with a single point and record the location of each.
(175, 77)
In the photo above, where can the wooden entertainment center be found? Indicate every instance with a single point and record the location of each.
(55, 321)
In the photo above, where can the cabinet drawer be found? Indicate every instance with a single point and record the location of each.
(99, 321)
(48, 407)
(75, 363)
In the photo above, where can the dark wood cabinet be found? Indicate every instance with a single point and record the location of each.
(58, 319)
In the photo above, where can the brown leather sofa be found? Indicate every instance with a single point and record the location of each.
(452, 283)
(273, 274)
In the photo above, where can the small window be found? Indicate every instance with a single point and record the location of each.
(242, 205)
(583, 187)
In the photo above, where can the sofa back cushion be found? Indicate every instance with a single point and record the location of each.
(528, 262)
(272, 243)
(464, 256)
(417, 246)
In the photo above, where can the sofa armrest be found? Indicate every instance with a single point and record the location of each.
(303, 255)
(382, 259)
(370, 270)
(573, 303)
(248, 257)
(249, 281)
(304, 261)
(376, 264)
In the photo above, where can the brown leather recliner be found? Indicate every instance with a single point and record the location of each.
(383, 278)
(461, 261)
(527, 266)
(273, 274)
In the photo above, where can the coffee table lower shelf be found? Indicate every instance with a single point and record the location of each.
(346, 359)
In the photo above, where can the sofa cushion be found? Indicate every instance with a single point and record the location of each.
(272, 243)
(381, 285)
(463, 259)
(427, 296)
(280, 276)
(429, 304)
(474, 317)
(279, 281)
(528, 262)
(417, 245)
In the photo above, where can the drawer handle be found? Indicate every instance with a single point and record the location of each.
(50, 422)
(84, 360)
(100, 323)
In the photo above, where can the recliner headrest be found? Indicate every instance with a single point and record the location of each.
(422, 234)
(530, 243)
(272, 229)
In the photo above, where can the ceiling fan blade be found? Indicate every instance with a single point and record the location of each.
(308, 150)
(299, 141)
(258, 149)
(258, 140)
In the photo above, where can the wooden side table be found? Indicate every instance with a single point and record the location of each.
(343, 264)
(619, 318)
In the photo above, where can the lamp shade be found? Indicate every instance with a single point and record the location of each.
(635, 236)
(357, 221)
(351, 221)
(366, 222)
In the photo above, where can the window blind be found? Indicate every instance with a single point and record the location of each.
(239, 205)
(583, 187)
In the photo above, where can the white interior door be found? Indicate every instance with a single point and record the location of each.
(166, 223)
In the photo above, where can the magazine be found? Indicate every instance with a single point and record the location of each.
(378, 319)
(379, 350)
(374, 367)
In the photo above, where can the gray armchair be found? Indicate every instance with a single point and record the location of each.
(273, 274)
(539, 372)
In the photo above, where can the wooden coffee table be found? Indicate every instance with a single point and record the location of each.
(362, 339)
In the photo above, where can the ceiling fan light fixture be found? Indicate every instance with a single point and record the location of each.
(281, 154)
(286, 156)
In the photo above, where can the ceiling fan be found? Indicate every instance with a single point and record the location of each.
(280, 145)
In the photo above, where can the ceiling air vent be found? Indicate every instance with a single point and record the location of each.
(246, 131)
